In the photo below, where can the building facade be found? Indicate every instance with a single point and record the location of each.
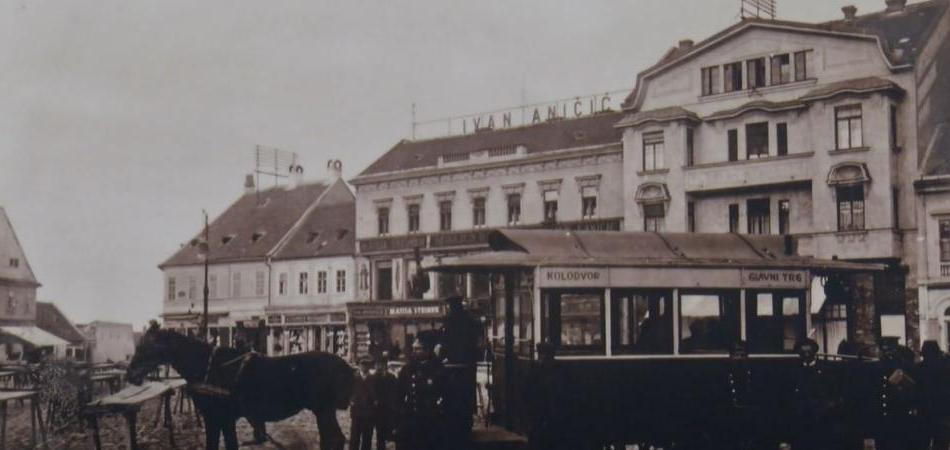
(108, 341)
(18, 284)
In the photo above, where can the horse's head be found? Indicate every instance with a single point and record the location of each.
(154, 349)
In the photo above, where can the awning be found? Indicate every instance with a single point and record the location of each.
(35, 336)
(556, 248)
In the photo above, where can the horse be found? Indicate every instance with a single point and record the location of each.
(227, 384)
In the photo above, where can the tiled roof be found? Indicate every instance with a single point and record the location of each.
(50, 319)
(757, 105)
(266, 216)
(543, 137)
(326, 231)
(938, 155)
(658, 115)
(10, 248)
(854, 85)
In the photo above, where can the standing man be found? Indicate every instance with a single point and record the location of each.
(420, 397)
(460, 336)
(816, 401)
(387, 401)
(362, 408)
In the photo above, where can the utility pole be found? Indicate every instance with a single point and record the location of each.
(207, 252)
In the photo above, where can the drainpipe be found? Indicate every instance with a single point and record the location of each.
(270, 277)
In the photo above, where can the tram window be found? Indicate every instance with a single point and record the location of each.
(774, 321)
(709, 322)
(481, 285)
(642, 322)
(574, 322)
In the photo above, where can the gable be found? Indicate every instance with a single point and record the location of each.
(13, 263)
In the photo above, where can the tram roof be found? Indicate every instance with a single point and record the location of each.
(561, 248)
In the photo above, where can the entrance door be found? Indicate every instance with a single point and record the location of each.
(384, 283)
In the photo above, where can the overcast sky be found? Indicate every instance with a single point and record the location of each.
(120, 121)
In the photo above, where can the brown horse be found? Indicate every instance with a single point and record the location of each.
(227, 385)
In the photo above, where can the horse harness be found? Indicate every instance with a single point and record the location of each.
(208, 388)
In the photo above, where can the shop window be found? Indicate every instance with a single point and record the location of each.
(451, 284)
(801, 65)
(282, 284)
(341, 281)
(641, 322)
(758, 216)
(756, 69)
(574, 322)
(850, 207)
(171, 288)
(848, 127)
(259, 283)
(654, 217)
(691, 217)
(732, 77)
(445, 215)
(212, 286)
(478, 212)
(733, 144)
(413, 212)
(303, 283)
(775, 321)
(784, 215)
(236, 284)
(781, 69)
(550, 206)
(589, 203)
(710, 76)
(653, 157)
(322, 282)
(944, 239)
(757, 140)
(382, 221)
(709, 322)
(781, 138)
(481, 285)
(514, 209)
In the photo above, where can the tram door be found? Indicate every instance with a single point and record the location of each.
(512, 345)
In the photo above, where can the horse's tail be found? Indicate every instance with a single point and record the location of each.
(343, 385)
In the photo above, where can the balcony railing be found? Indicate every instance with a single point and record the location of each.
(945, 270)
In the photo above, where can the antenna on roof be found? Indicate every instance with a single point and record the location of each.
(274, 162)
(759, 9)
(413, 120)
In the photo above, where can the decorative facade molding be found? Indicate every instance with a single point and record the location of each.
(848, 173)
(383, 202)
(481, 192)
(414, 199)
(516, 188)
(549, 185)
(588, 181)
(446, 196)
(652, 193)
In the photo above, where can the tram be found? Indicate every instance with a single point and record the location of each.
(642, 324)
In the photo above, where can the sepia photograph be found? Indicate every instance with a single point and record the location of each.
(475, 225)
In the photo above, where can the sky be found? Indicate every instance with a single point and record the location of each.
(121, 121)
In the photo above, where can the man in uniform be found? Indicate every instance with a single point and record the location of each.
(460, 338)
(933, 396)
(387, 401)
(896, 395)
(420, 395)
(816, 401)
(362, 408)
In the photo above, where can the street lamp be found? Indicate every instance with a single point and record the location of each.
(204, 250)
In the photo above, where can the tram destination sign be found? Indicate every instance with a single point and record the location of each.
(792, 279)
(573, 277)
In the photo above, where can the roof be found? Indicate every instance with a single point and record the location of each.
(252, 226)
(544, 137)
(33, 335)
(937, 159)
(533, 248)
(756, 105)
(667, 114)
(50, 319)
(10, 248)
(325, 231)
(854, 85)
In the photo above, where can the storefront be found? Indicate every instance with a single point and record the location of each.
(299, 330)
(391, 326)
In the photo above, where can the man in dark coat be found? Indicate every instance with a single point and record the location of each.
(816, 401)
(421, 385)
(896, 396)
(362, 409)
(548, 406)
(460, 338)
(386, 388)
(933, 396)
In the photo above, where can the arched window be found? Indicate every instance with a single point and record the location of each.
(849, 180)
(653, 198)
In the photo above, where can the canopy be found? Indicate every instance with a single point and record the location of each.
(34, 335)
(559, 248)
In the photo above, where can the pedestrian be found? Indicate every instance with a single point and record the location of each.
(816, 401)
(933, 396)
(362, 408)
(549, 404)
(386, 388)
(420, 383)
(897, 398)
(460, 337)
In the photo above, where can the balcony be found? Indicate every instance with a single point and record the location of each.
(774, 170)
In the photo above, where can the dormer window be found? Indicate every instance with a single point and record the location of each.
(312, 237)
(341, 233)
(228, 238)
(257, 236)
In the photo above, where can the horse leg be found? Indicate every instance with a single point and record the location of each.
(230, 434)
(331, 437)
(212, 433)
(260, 431)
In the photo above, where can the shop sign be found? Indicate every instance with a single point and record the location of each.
(460, 238)
(752, 278)
(383, 311)
(392, 243)
(573, 277)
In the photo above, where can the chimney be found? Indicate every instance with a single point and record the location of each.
(334, 170)
(295, 177)
(249, 184)
(850, 12)
(685, 44)
(895, 5)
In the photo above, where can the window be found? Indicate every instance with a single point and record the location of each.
(733, 137)
(282, 284)
(514, 209)
(689, 147)
(801, 69)
(850, 207)
(710, 77)
(757, 215)
(413, 213)
(691, 217)
(550, 206)
(303, 283)
(784, 211)
(445, 215)
(757, 140)
(171, 288)
(654, 217)
(341, 281)
(192, 288)
(259, 283)
(774, 321)
(236, 284)
(382, 221)
(944, 226)
(478, 212)
(848, 126)
(653, 151)
(732, 77)
(756, 69)
(893, 129)
(589, 203)
(573, 321)
(14, 262)
(321, 282)
(734, 218)
(781, 69)
(212, 286)
(384, 282)
(709, 323)
(641, 322)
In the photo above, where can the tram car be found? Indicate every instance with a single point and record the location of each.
(657, 338)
